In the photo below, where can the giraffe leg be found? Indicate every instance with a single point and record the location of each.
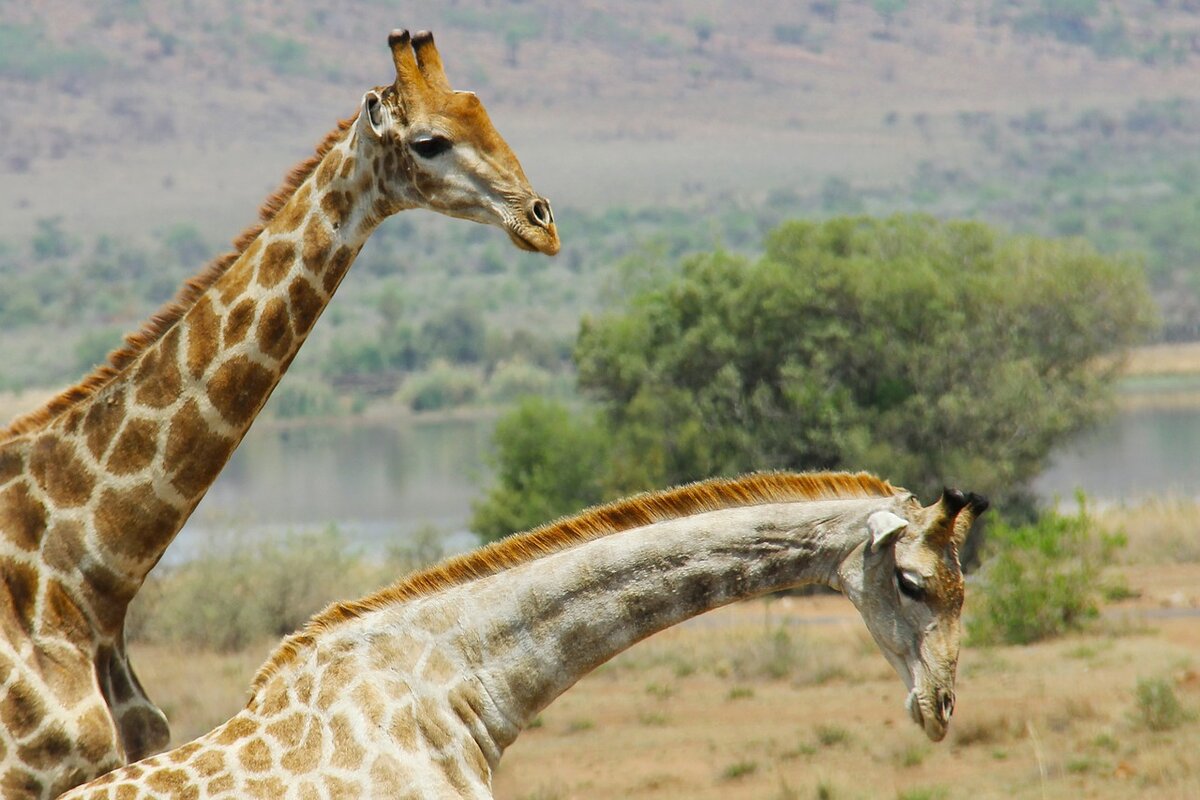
(142, 725)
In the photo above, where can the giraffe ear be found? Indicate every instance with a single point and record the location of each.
(884, 527)
(372, 113)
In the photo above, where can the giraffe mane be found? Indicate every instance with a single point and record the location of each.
(173, 310)
(594, 523)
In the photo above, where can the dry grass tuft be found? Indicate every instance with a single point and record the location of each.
(1159, 530)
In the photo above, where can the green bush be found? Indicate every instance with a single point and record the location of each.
(517, 378)
(235, 592)
(547, 463)
(301, 396)
(1158, 708)
(441, 386)
(1039, 580)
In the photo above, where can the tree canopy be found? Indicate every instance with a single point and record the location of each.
(929, 352)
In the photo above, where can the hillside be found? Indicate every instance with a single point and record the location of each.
(136, 137)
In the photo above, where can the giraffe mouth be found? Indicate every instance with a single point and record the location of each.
(521, 242)
(542, 241)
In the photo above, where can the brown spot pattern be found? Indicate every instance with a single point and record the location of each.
(317, 241)
(292, 214)
(305, 757)
(209, 763)
(64, 549)
(196, 453)
(62, 614)
(22, 516)
(97, 739)
(255, 755)
(204, 328)
(135, 522)
(266, 788)
(306, 305)
(288, 731)
(159, 382)
(238, 389)
(347, 752)
(234, 282)
(236, 729)
(60, 473)
(220, 784)
(336, 206)
(237, 322)
(275, 329)
(338, 266)
(277, 260)
(21, 710)
(12, 463)
(329, 168)
(168, 780)
(47, 750)
(135, 449)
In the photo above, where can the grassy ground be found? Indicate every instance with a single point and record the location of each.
(791, 699)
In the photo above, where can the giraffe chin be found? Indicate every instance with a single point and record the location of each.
(934, 728)
(548, 242)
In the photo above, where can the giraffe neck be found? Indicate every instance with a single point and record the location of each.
(116, 476)
(529, 633)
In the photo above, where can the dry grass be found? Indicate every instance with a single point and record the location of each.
(1163, 359)
(1162, 530)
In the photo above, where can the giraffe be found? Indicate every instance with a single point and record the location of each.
(416, 691)
(94, 486)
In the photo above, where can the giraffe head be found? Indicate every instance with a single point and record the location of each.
(436, 148)
(907, 583)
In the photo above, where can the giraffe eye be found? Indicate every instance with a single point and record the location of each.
(908, 587)
(431, 146)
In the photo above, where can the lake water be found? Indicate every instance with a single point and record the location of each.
(1139, 453)
(381, 482)
(378, 482)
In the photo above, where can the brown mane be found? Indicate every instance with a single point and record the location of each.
(594, 523)
(172, 311)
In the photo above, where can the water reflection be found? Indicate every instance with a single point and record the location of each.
(378, 482)
(381, 482)
(1139, 453)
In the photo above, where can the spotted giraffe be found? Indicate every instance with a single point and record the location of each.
(416, 691)
(94, 486)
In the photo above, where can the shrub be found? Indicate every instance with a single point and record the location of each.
(236, 591)
(1158, 708)
(441, 386)
(302, 397)
(548, 462)
(1040, 580)
(517, 378)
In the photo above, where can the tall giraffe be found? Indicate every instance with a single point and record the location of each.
(94, 486)
(416, 691)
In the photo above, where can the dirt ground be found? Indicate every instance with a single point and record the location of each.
(790, 699)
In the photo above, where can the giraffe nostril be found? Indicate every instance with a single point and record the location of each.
(540, 213)
(945, 704)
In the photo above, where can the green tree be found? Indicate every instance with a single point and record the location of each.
(457, 334)
(928, 351)
(548, 462)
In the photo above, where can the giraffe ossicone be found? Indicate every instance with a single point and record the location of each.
(95, 485)
(417, 690)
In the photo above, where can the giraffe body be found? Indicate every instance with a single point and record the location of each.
(417, 691)
(94, 487)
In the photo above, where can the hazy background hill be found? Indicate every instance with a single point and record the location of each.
(137, 137)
